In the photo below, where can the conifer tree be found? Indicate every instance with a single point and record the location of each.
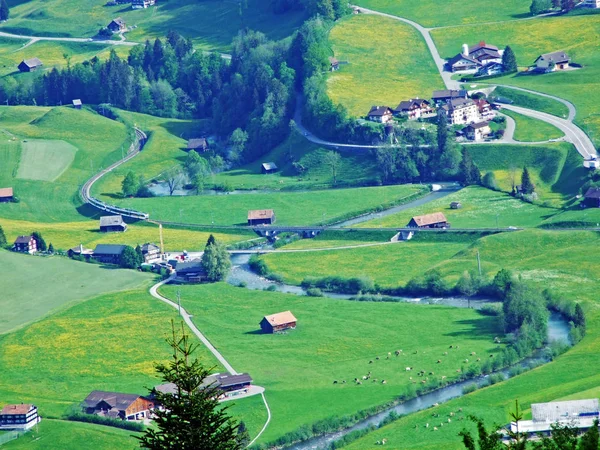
(527, 186)
(509, 60)
(4, 11)
(40, 243)
(2, 237)
(129, 185)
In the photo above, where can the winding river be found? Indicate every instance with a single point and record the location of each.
(558, 330)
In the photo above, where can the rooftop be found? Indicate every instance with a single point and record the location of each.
(269, 166)
(592, 192)
(32, 62)
(108, 249)
(107, 221)
(430, 219)
(116, 400)
(23, 239)
(260, 214)
(197, 143)
(23, 408)
(556, 57)
(379, 111)
(6, 192)
(280, 318)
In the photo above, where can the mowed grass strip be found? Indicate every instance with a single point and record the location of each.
(389, 265)
(388, 62)
(532, 101)
(433, 13)
(110, 343)
(334, 340)
(532, 130)
(291, 208)
(45, 160)
(34, 286)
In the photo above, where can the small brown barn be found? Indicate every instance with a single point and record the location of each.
(30, 65)
(435, 220)
(261, 217)
(334, 64)
(112, 224)
(592, 197)
(6, 194)
(198, 144)
(269, 167)
(117, 25)
(279, 322)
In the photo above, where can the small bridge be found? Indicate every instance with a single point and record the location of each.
(270, 231)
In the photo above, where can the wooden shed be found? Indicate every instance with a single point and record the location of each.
(6, 194)
(261, 217)
(276, 323)
(269, 167)
(30, 65)
(434, 220)
(592, 197)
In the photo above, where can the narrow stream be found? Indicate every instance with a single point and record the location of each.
(558, 330)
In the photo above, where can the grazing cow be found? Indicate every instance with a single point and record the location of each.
(439, 361)
(451, 414)
(457, 370)
(335, 382)
(371, 362)
(364, 377)
(343, 381)
(445, 353)
(491, 356)
(377, 358)
(449, 420)
(451, 346)
(478, 359)
(408, 369)
(398, 352)
(473, 353)
(383, 382)
(466, 360)
(435, 429)
(426, 425)
(356, 380)
(443, 377)
(423, 381)
(430, 373)
(359, 382)
(436, 404)
(459, 409)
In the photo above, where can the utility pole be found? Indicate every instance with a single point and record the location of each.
(479, 262)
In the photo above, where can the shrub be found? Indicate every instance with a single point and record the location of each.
(471, 387)
(258, 265)
(271, 288)
(314, 292)
(276, 277)
(100, 420)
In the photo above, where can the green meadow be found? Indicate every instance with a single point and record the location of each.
(432, 13)
(531, 38)
(45, 160)
(532, 130)
(210, 24)
(63, 282)
(559, 261)
(291, 208)
(389, 63)
(334, 340)
(532, 101)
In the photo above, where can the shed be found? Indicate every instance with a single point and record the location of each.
(276, 323)
(108, 253)
(592, 197)
(334, 64)
(550, 62)
(30, 65)
(6, 194)
(117, 25)
(455, 205)
(191, 272)
(261, 217)
(198, 144)
(77, 103)
(112, 223)
(434, 220)
(150, 251)
(80, 250)
(269, 167)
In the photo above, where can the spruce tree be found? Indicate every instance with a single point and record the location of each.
(211, 240)
(589, 441)
(190, 418)
(509, 60)
(51, 248)
(2, 237)
(527, 186)
(4, 11)
(139, 255)
(579, 318)
(468, 170)
(442, 131)
(540, 6)
(40, 243)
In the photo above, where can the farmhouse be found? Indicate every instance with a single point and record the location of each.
(77, 103)
(592, 197)
(461, 111)
(483, 106)
(117, 25)
(276, 323)
(334, 64)
(108, 253)
(150, 252)
(575, 413)
(261, 217)
(484, 53)
(464, 63)
(197, 144)
(18, 417)
(414, 108)
(381, 114)
(435, 220)
(478, 131)
(191, 272)
(551, 62)
(6, 194)
(30, 65)
(446, 95)
(80, 250)
(269, 167)
(142, 4)
(112, 223)
(229, 385)
(117, 405)
(25, 244)
(492, 68)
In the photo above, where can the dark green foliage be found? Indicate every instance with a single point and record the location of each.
(50, 248)
(589, 441)
(139, 254)
(39, 241)
(340, 284)
(258, 266)
(243, 437)
(489, 181)
(2, 237)
(527, 186)
(468, 171)
(4, 11)
(129, 185)
(107, 421)
(215, 261)
(563, 437)
(129, 258)
(442, 131)
(509, 60)
(432, 283)
(567, 5)
(486, 440)
(525, 313)
(396, 165)
(540, 6)
(502, 283)
(192, 418)
(211, 240)
(579, 319)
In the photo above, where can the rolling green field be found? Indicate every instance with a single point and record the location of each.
(45, 160)
(532, 130)
(298, 368)
(291, 208)
(531, 38)
(559, 261)
(532, 101)
(63, 282)
(60, 435)
(219, 21)
(384, 67)
(389, 265)
(356, 169)
(432, 13)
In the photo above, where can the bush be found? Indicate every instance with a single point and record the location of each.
(258, 265)
(489, 181)
(271, 288)
(100, 420)
(276, 277)
(491, 310)
(314, 292)
(471, 387)
(340, 284)
(242, 284)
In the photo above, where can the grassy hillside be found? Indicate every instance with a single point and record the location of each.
(532, 101)
(389, 63)
(210, 24)
(298, 368)
(560, 261)
(531, 38)
(291, 208)
(64, 281)
(532, 130)
(432, 13)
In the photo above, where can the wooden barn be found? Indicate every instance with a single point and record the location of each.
(117, 25)
(435, 220)
(261, 217)
(198, 145)
(30, 65)
(6, 194)
(269, 167)
(118, 406)
(592, 197)
(276, 323)
(108, 253)
(112, 224)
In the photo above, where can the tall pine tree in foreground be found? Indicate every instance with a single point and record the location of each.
(4, 11)
(191, 418)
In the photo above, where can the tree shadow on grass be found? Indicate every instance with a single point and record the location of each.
(477, 329)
